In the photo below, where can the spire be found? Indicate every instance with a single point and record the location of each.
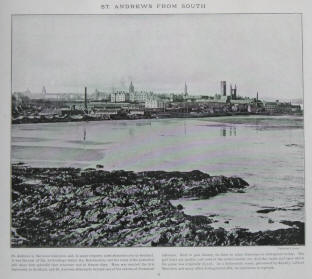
(185, 89)
(131, 88)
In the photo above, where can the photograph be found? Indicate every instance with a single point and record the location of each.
(159, 130)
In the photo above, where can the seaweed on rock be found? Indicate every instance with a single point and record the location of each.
(70, 207)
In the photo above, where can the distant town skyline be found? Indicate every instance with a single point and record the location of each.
(159, 53)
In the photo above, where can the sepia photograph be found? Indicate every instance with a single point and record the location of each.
(163, 130)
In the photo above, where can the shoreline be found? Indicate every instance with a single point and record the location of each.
(42, 120)
(73, 207)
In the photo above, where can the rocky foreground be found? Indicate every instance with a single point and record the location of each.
(70, 207)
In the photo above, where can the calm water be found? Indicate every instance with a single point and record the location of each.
(268, 152)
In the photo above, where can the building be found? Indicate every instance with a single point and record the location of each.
(281, 107)
(223, 88)
(217, 99)
(245, 101)
(219, 105)
(242, 105)
(284, 107)
(270, 107)
(139, 96)
(176, 97)
(120, 97)
(154, 104)
(295, 108)
(143, 96)
(233, 92)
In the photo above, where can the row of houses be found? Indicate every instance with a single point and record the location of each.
(147, 98)
(280, 107)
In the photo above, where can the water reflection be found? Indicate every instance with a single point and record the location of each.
(228, 131)
(145, 123)
(84, 133)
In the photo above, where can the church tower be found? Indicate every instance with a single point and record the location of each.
(131, 88)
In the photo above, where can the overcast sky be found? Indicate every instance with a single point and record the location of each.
(159, 53)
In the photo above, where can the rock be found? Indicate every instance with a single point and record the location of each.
(199, 219)
(295, 224)
(70, 207)
(179, 206)
(15, 195)
(213, 215)
(271, 209)
(75, 213)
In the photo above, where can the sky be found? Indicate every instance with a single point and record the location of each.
(64, 53)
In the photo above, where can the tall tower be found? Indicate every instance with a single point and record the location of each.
(235, 92)
(44, 91)
(131, 88)
(223, 88)
(185, 90)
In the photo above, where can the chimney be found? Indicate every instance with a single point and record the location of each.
(86, 99)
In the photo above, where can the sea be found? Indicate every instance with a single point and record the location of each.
(266, 151)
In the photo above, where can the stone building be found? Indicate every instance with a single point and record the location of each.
(120, 97)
